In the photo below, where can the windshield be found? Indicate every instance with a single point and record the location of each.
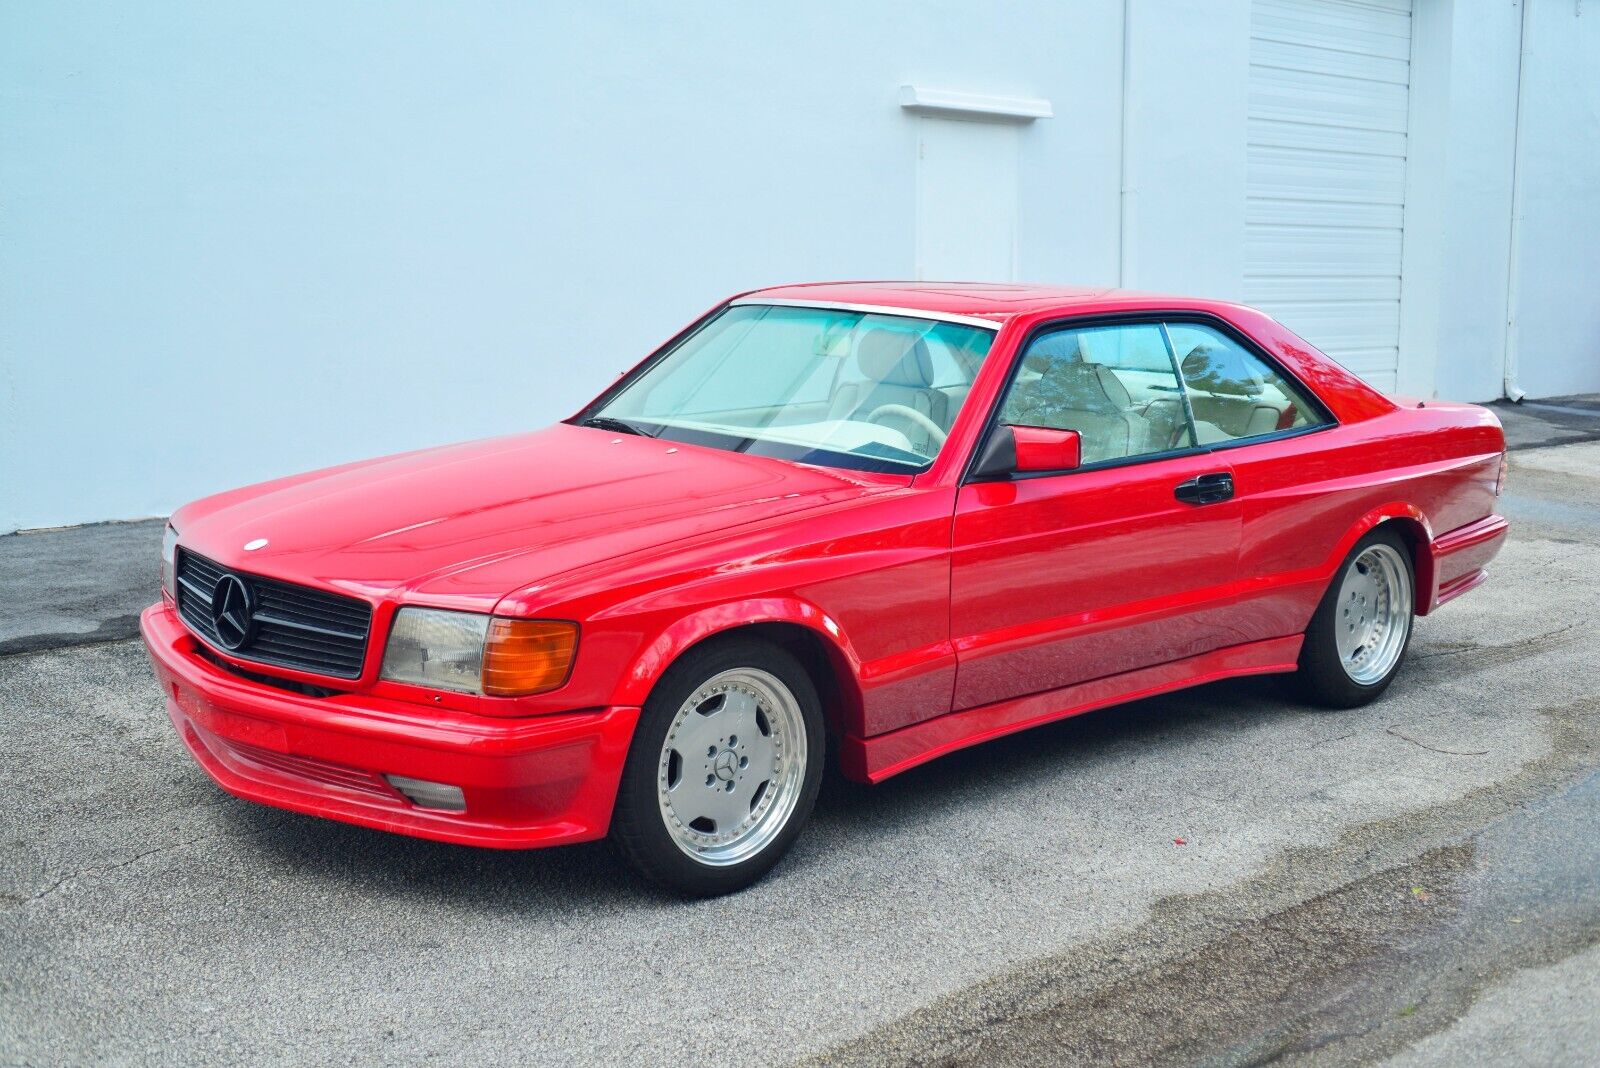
(863, 390)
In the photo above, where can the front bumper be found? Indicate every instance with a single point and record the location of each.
(543, 780)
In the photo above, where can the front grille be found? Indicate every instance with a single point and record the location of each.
(295, 626)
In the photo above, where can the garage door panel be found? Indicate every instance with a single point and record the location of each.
(1346, 325)
(1327, 62)
(1277, 290)
(1341, 250)
(1366, 28)
(1326, 174)
(1302, 96)
(1365, 361)
(1269, 133)
(1314, 251)
(1297, 172)
(1298, 211)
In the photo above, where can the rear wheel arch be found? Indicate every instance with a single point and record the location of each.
(1420, 547)
(1411, 524)
(1356, 640)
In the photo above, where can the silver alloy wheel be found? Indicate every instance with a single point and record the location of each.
(732, 766)
(1373, 614)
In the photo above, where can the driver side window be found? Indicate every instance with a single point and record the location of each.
(1115, 385)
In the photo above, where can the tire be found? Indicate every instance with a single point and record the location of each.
(723, 769)
(1351, 651)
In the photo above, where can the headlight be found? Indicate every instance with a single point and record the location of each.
(475, 653)
(169, 562)
(434, 648)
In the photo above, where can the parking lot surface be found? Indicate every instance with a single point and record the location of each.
(1217, 875)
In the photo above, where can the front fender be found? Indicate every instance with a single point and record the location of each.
(687, 631)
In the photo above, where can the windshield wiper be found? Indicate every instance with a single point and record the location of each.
(620, 426)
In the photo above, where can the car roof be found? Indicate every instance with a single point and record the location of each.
(988, 300)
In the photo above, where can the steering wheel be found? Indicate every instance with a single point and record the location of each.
(911, 415)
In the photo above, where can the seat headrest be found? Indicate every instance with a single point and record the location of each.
(1219, 371)
(1086, 387)
(1115, 391)
(894, 358)
(1053, 348)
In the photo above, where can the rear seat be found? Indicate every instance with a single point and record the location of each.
(1226, 402)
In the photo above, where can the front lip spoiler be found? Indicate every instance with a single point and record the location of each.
(534, 781)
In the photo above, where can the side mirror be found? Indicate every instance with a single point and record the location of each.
(1042, 449)
(1015, 449)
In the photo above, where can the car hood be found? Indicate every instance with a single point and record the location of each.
(463, 525)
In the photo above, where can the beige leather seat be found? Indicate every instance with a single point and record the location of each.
(898, 370)
(1228, 400)
(1071, 394)
(1166, 425)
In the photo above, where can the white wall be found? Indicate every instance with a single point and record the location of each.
(241, 240)
(1188, 93)
(238, 241)
(1557, 306)
(1466, 282)
(1461, 193)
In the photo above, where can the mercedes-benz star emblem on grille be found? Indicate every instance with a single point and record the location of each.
(233, 611)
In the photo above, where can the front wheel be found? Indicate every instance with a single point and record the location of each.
(1358, 636)
(723, 769)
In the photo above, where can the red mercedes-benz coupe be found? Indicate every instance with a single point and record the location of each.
(891, 519)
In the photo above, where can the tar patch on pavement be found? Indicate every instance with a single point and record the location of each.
(1345, 976)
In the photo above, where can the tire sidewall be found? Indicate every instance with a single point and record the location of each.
(1322, 673)
(638, 828)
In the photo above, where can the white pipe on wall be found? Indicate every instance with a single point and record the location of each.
(1125, 203)
(1508, 380)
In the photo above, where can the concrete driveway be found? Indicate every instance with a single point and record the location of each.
(1216, 876)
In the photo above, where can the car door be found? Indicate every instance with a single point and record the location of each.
(1293, 510)
(1128, 560)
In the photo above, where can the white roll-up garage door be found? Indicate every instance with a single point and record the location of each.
(1329, 95)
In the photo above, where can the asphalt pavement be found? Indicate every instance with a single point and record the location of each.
(77, 585)
(1217, 876)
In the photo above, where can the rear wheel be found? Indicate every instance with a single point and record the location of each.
(723, 769)
(1358, 636)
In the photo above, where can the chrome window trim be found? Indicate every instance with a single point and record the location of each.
(870, 309)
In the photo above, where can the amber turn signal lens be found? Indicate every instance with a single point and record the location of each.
(523, 656)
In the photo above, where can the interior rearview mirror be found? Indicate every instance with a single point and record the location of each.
(1019, 449)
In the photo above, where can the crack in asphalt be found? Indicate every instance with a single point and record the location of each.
(15, 901)
(1433, 748)
(1501, 654)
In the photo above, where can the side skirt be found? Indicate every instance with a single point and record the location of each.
(877, 758)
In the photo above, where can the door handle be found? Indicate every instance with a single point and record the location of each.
(1205, 489)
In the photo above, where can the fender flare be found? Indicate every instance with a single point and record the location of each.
(1414, 527)
(665, 648)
